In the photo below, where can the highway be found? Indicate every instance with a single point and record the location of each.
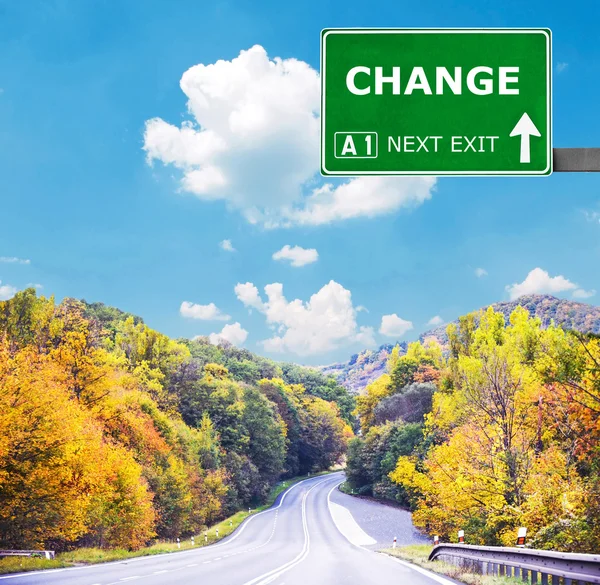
(298, 541)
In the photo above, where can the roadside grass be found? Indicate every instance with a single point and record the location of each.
(22, 564)
(418, 554)
(81, 556)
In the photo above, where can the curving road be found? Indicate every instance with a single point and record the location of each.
(306, 538)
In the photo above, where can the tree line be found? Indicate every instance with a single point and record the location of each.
(499, 430)
(112, 434)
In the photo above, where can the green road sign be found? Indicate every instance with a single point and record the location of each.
(436, 102)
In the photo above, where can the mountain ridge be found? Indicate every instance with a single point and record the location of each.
(364, 367)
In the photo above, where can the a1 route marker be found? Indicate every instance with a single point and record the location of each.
(436, 102)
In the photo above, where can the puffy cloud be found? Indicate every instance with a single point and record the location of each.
(254, 143)
(480, 272)
(323, 323)
(394, 326)
(208, 312)
(227, 246)
(363, 196)
(561, 66)
(234, 334)
(580, 293)
(297, 255)
(14, 260)
(435, 321)
(538, 281)
(249, 295)
(6, 291)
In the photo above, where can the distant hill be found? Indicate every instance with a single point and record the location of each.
(368, 365)
(362, 368)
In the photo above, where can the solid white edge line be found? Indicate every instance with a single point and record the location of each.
(236, 533)
(278, 571)
(430, 574)
(425, 572)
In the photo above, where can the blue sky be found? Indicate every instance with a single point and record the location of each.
(79, 200)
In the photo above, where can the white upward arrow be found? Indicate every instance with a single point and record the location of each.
(525, 128)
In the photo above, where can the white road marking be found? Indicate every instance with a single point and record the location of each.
(130, 578)
(239, 530)
(429, 574)
(193, 565)
(278, 571)
(425, 572)
(218, 558)
(160, 572)
(348, 526)
(206, 562)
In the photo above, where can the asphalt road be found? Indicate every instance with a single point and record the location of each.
(382, 522)
(297, 542)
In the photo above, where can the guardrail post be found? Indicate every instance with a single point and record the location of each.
(534, 578)
(544, 578)
(517, 572)
(555, 580)
(525, 575)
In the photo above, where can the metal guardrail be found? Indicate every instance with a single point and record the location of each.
(537, 566)
(47, 554)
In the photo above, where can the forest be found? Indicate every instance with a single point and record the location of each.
(113, 435)
(498, 431)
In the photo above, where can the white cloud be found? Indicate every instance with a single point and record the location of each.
(561, 66)
(227, 246)
(580, 293)
(249, 295)
(234, 334)
(363, 196)
(538, 281)
(480, 272)
(297, 255)
(254, 143)
(435, 321)
(6, 291)
(323, 323)
(394, 326)
(208, 312)
(34, 285)
(14, 260)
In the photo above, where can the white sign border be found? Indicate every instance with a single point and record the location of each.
(547, 32)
